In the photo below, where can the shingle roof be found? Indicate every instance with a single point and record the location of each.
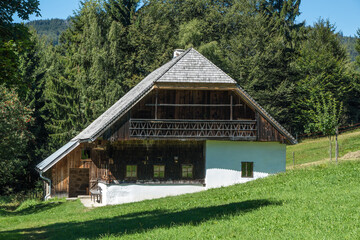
(195, 68)
(189, 67)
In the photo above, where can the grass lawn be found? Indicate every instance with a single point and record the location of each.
(320, 202)
(312, 150)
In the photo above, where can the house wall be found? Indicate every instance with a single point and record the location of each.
(125, 193)
(223, 168)
(267, 133)
(60, 173)
(144, 154)
(223, 161)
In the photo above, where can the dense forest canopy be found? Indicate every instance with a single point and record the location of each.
(109, 46)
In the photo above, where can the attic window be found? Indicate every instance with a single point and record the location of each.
(85, 153)
(247, 169)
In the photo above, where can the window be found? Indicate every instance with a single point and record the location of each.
(159, 171)
(247, 169)
(85, 153)
(131, 171)
(187, 171)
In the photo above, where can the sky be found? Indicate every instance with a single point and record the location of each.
(345, 14)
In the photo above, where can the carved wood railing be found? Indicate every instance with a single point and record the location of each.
(235, 129)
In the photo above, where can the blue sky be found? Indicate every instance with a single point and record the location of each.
(345, 14)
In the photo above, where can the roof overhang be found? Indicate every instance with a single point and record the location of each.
(57, 156)
(195, 86)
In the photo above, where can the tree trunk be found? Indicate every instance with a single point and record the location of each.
(336, 145)
(330, 148)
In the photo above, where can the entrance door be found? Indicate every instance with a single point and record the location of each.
(78, 182)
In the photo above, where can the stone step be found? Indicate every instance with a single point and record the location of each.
(83, 196)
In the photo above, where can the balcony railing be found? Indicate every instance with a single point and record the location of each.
(235, 129)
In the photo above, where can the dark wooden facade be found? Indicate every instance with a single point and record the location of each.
(193, 114)
(108, 161)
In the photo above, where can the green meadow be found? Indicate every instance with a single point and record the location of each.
(311, 150)
(320, 202)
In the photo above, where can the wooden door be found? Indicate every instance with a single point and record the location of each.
(78, 182)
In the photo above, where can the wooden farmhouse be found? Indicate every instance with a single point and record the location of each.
(186, 127)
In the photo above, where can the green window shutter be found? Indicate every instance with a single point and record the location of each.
(247, 169)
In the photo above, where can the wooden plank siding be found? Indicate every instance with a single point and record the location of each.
(60, 172)
(183, 105)
(267, 133)
(240, 111)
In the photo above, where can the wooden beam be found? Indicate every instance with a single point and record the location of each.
(231, 107)
(156, 103)
(190, 105)
(196, 86)
(257, 118)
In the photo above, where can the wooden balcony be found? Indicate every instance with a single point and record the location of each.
(194, 129)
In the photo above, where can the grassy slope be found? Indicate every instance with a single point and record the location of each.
(315, 203)
(311, 150)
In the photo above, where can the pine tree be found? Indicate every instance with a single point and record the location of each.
(61, 101)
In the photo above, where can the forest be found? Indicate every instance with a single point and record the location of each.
(50, 92)
(52, 28)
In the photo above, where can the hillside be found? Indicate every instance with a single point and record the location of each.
(312, 150)
(349, 43)
(313, 203)
(52, 28)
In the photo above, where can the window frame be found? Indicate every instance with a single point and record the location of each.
(187, 172)
(131, 171)
(249, 167)
(158, 171)
(85, 153)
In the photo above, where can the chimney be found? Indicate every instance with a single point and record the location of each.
(178, 52)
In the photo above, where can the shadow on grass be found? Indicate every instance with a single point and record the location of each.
(32, 209)
(139, 222)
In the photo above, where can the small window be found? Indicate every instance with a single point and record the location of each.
(187, 171)
(247, 169)
(85, 153)
(131, 171)
(159, 171)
